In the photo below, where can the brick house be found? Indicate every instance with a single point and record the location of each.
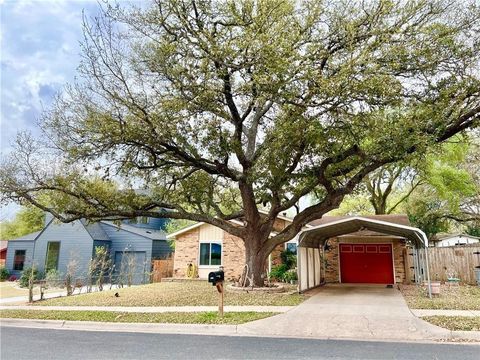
(369, 249)
(209, 247)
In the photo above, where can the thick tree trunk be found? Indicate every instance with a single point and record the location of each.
(255, 258)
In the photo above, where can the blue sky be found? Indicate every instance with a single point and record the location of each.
(39, 54)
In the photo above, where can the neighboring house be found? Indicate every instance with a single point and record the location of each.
(443, 240)
(59, 243)
(3, 252)
(368, 249)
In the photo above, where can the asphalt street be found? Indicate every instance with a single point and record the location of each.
(28, 343)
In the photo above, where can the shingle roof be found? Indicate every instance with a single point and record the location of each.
(28, 237)
(439, 237)
(148, 233)
(95, 230)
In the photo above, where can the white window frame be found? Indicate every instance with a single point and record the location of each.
(210, 254)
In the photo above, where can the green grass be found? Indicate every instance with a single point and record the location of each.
(193, 293)
(121, 317)
(11, 289)
(463, 297)
(465, 323)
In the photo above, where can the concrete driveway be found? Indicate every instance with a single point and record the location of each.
(349, 312)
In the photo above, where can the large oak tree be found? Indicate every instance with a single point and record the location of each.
(222, 108)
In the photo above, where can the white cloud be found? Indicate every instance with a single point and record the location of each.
(39, 55)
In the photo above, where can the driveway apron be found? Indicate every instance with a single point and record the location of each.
(350, 312)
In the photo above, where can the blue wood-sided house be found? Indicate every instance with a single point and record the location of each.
(57, 244)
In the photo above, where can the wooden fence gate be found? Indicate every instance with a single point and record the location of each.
(444, 262)
(162, 269)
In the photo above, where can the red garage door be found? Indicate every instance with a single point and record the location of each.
(366, 263)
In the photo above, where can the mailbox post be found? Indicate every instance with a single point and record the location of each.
(216, 278)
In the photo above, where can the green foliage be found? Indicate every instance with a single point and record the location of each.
(426, 212)
(54, 278)
(138, 317)
(288, 258)
(4, 273)
(445, 172)
(29, 219)
(174, 225)
(278, 272)
(473, 230)
(354, 204)
(26, 274)
(290, 275)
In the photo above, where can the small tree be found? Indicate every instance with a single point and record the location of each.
(72, 269)
(32, 276)
(130, 266)
(103, 265)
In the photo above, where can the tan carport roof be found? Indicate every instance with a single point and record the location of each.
(317, 235)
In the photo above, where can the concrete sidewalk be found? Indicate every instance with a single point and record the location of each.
(436, 312)
(150, 309)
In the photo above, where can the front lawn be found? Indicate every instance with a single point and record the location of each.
(462, 297)
(465, 323)
(230, 318)
(10, 289)
(192, 293)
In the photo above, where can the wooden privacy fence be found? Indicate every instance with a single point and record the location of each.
(162, 269)
(456, 261)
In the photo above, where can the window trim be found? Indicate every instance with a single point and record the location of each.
(210, 254)
(291, 242)
(58, 255)
(23, 261)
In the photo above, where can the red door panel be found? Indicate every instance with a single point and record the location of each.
(366, 263)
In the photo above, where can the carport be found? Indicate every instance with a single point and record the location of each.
(312, 242)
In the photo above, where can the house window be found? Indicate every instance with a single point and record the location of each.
(19, 260)
(210, 254)
(53, 252)
(291, 247)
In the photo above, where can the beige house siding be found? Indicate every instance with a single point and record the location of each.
(332, 274)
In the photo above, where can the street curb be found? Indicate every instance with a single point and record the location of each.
(204, 329)
(200, 329)
(151, 309)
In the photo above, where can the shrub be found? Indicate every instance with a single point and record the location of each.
(26, 273)
(53, 278)
(289, 258)
(4, 274)
(290, 275)
(278, 272)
